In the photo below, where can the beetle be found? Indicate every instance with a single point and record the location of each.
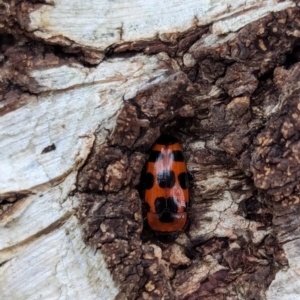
(166, 188)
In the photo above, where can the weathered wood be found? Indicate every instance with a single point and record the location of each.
(87, 87)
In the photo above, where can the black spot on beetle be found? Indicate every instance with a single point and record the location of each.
(166, 217)
(166, 208)
(160, 204)
(149, 181)
(155, 156)
(166, 179)
(176, 156)
(49, 149)
(183, 180)
(172, 204)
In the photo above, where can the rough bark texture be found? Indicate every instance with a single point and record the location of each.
(233, 102)
(245, 134)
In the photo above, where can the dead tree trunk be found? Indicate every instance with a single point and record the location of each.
(87, 86)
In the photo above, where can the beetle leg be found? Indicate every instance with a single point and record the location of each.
(191, 176)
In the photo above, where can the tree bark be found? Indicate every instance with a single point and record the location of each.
(86, 87)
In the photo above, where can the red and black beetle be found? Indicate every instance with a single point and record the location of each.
(166, 188)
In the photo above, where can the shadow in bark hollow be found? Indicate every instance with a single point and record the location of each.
(218, 105)
(8, 201)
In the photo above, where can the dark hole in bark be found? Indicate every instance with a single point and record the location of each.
(49, 148)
